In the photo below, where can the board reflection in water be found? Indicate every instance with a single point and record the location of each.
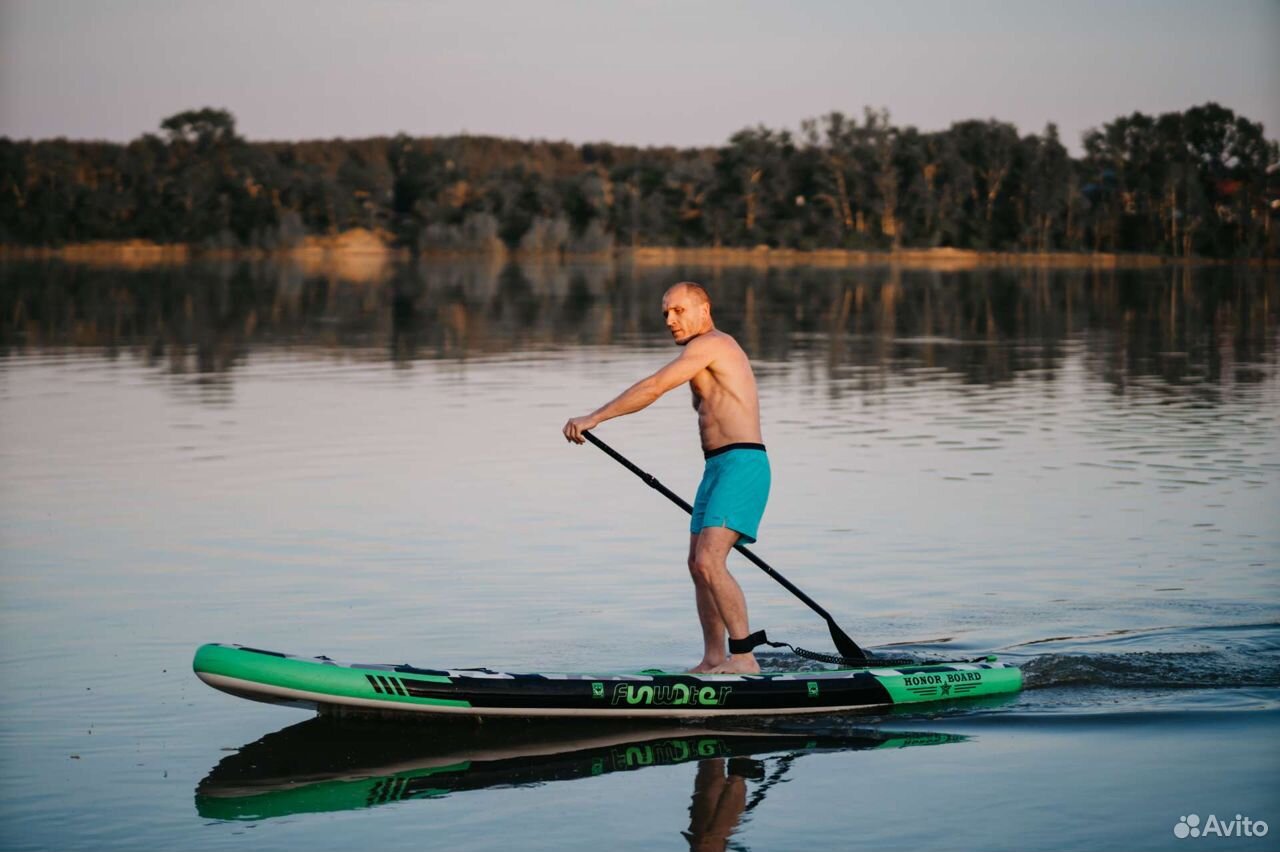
(327, 764)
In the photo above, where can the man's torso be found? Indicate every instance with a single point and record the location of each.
(727, 401)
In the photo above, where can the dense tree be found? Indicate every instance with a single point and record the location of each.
(1044, 204)
(1200, 182)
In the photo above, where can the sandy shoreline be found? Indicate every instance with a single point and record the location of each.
(366, 255)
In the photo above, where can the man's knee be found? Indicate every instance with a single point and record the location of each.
(704, 565)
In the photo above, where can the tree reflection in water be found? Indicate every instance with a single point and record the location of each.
(1199, 329)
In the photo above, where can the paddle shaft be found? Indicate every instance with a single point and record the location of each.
(845, 645)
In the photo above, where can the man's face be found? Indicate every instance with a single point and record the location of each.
(686, 316)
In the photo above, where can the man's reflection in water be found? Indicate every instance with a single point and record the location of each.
(719, 800)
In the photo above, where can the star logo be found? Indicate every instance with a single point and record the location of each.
(946, 689)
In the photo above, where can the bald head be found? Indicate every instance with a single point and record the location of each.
(693, 290)
(686, 309)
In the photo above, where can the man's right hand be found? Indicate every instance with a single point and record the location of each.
(576, 426)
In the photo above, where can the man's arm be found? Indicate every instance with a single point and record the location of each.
(696, 357)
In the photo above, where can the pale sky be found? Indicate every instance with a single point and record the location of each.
(685, 72)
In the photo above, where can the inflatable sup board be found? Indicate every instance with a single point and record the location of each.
(322, 684)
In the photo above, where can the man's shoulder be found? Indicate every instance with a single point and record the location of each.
(713, 341)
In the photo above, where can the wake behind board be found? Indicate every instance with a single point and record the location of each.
(319, 683)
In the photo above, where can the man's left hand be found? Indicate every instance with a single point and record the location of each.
(576, 426)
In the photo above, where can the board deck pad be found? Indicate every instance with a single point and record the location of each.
(323, 684)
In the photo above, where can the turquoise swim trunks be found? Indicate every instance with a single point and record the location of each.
(734, 489)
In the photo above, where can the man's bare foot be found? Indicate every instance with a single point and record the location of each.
(737, 664)
(707, 665)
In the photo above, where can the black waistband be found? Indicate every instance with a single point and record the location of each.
(706, 454)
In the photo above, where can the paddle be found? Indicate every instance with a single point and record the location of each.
(846, 646)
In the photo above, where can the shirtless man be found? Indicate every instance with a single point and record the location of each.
(735, 481)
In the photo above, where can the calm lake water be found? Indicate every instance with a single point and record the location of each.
(1078, 471)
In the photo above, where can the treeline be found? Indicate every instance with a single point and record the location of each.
(1203, 182)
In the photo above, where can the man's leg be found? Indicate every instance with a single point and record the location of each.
(709, 571)
(714, 651)
(719, 798)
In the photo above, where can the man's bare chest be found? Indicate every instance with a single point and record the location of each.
(704, 384)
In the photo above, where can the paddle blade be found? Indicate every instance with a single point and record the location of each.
(846, 646)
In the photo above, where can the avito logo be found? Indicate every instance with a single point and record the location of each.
(1241, 826)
